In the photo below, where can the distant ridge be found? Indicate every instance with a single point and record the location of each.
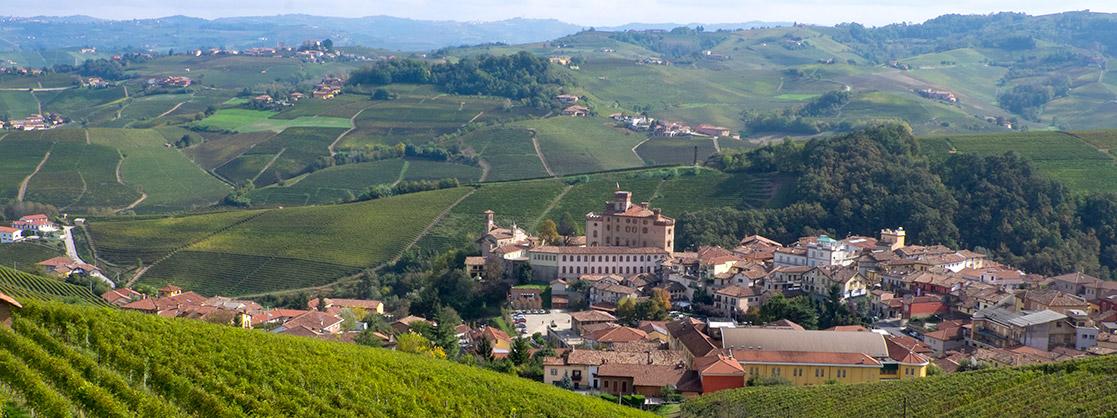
(383, 32)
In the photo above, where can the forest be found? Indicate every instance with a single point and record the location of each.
(520, 76)
(875, 177)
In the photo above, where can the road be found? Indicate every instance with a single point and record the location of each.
(72, 252)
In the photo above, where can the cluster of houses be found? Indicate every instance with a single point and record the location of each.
(928, 303)
(943, 95)
(18, 70)
(329, 87)
(310, 51)
(170, 81)
(662, 128)
(37, 225)
(94, 82)
(35, 122)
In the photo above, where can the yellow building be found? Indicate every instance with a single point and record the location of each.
(819, 357)
(623, 223)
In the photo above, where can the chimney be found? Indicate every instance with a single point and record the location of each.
(622, 201)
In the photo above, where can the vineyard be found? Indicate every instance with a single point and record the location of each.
(663, 151)
(211, 273)
(507, 150)
(60, 360)
(24, 286)
(1074, 388)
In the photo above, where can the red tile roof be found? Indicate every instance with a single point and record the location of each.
(718, 365)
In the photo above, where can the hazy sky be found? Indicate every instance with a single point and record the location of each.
(584, 12)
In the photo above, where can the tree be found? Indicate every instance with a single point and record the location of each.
(548, 232)
(417, 344)
(662, 297)
(626, 310)
(519, 354)
(327, 44)
(797, 310)
(485, 349)
(567, 226)
(445, 332)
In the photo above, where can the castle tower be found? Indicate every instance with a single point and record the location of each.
(893, 239)
(489, 224)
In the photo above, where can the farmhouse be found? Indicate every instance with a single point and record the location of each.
(943, 95)
(64, 266)
(7, 306)
(171, 81)
(576, 111)
(567, 99)
(711, 130)
(9, 235)
(37, 223)
(334, 305)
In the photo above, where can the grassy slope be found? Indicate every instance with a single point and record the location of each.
(1075, 388)
(24, 255)
(580, 145)
(170, 181)
(25, 287)
(200, 369)
(1074, 161)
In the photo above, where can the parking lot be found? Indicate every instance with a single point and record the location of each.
(534, 323)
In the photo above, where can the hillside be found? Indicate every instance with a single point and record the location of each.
(129, 364)
(25, 286)
(1072, 388)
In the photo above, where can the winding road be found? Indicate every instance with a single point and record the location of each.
(72, 252)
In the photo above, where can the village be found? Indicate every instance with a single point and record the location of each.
(620, 311)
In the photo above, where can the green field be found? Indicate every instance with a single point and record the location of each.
(18, 159)
(248, 120)
(507, 150)
(24, 255)
(1072, 388)
(125, 241)
(343, 106)
(282, 156)
(26, 287)
(17, 104)
(581, 145)
(521, 203)
(663, 151)
(81, 176)
(290, 244)
(420, 116)
(62, 360)
(169, 180)
(1070, 160)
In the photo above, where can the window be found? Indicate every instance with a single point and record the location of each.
(554, 372)
(606, 384)
(624, 386)
(818, 372)
(754, 371)
(797, 372)
(775, 371)
(841, 373)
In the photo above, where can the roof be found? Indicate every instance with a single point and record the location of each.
(617, 334)
(475, 261)
(805, 357)
(645, 374)
(598, 357)
(8, 230)
(9, 300)
(367, 304)
(1052, 297)
(776, 339)
(592, 316)
(902, 354)
(735, 291)
(1077, 278)
(313, 320)
(597, 250)
(786, 323)
(1020, 318)
(694, 340)
(848, 328)
(718, 365)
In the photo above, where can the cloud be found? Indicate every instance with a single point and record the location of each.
(584, 12)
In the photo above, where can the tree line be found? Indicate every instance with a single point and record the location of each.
(520, 76)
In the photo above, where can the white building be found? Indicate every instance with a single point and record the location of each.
(549, 263)
(9, 235)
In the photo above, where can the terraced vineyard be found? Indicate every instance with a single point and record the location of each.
(24, 286)
(663, 151)
(347, 182)
(1073, 388)
(508, 151)
(24, 255)
(243, 252)
(78, 175)
(283, 156)
(1066, 158)
(584, 145)
(60, 360)
(210, 273)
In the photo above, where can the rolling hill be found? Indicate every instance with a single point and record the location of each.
(117, 363)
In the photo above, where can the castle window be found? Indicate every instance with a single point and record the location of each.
(645, 230)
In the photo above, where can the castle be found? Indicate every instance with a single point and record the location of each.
(626, 224)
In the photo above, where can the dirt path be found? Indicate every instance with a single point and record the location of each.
(119, 163)
(171, 110)
(435, 97)
(474, 118)
(84, 188)
(554, 202)
(352, 127)
(143, 196)
(717, 145)
(38, 103)
(26, 180)
(90, 142)
(638, 157)
(402, 173)
(4, 136)
(539, 153)
(779, 87)
(485, 169)
(33, 89)
(268, 165)
(125, 91)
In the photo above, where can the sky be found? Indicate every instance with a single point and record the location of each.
(581, 12)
